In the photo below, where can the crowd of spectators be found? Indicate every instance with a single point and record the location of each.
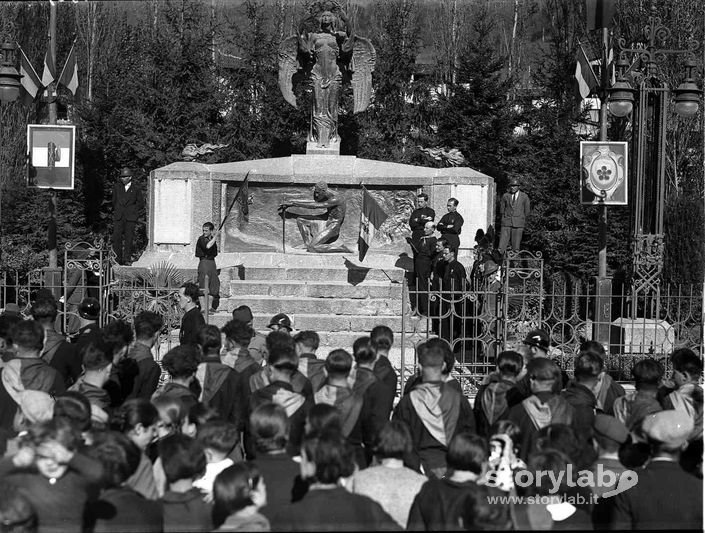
(99, 435)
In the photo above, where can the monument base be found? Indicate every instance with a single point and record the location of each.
(642, 336)
(312, 148)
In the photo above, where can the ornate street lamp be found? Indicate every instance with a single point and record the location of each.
(9, 77)
(649, 119)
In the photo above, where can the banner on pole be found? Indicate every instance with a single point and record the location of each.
(603, 173)
(50, 156)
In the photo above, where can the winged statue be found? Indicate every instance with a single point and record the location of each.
(329, 53)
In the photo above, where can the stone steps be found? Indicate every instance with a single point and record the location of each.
(322, 289)
(321, 323)
(353, 276)
(297, 305)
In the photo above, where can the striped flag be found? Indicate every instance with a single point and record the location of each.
(372, 216)
(30, 79)
(49, 74)
(584, 74)
(69, 76)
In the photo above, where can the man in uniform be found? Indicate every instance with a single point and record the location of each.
(450, 225)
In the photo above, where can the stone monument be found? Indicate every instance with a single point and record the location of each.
(291, 253)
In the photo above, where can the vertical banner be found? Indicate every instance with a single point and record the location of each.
(603, 173)
(50, 156)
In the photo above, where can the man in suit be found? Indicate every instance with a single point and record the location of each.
(514, 208)
(127, 203)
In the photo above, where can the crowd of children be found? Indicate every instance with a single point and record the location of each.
(275, 438)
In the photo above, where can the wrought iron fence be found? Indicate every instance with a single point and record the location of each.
(494, 312)
(89, 270)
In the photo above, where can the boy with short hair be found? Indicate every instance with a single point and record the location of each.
(97, 366)
(382, 340)
(283, 364)
(181, 363)
(632, 408)
(148, 326)
(435, 411)
(220, 384)
(184, 461)
(218, 439)
(206, 251)
(494, 399)
(544, 407)
(57, 351)
(26, 370)
(306, 343)
(358, 416)
(579, 392)
(688, 397)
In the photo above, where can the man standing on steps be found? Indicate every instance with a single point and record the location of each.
(417, 222)
(450, 225)
(514, 208)
(206, 251)
(127, 203)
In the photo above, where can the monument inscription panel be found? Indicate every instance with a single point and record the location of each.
(172, 211)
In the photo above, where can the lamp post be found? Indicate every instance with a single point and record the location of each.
(9, 92)
(645, 94)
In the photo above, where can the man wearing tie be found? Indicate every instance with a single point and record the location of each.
(127, 202)
(514, 208)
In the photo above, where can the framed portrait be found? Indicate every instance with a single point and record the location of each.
(603, 173)
(50, 156)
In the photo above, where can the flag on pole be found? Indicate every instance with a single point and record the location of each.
(69, 75)
(372, 216)
(584, 74)
(49, 73)
(30, 79)
(600, 13)
(244, 199)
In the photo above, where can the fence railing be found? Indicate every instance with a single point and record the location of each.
(481, 317)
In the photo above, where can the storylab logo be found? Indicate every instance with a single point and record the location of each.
(601, 478)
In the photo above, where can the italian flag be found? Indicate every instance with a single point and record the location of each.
(372, 216)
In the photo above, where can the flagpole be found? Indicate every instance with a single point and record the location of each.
(51, 227)
(602, 253)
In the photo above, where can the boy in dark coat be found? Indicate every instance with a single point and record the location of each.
(184, 461)
(358, 415)
(494, 399)
(542, 408)
(382, 339)
(219, 384)
(579, 393)
(148, 326)
(282, 365)
(181, 363)
(434, 411)
(306, 343)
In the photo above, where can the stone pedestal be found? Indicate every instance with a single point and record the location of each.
(312, 148)
(184, 195)
(641, 336)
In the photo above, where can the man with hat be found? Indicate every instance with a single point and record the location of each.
(127, 203)
(513, 208)
(665, 496)
(280, 322)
